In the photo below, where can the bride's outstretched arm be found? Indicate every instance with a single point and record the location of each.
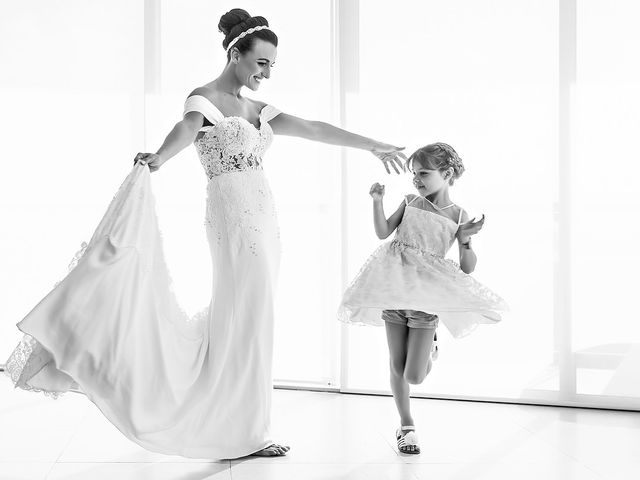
(182, 135)
(285, 124)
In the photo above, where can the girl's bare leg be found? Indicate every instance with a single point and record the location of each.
(397, 336)
(418, 362)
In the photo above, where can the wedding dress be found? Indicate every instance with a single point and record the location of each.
(112, 328)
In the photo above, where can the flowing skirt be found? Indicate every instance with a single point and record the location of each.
(198, 387)
(397, 277)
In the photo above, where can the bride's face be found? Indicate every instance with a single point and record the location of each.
(255, 65)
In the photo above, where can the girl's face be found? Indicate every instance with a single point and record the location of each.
(254, 66)
(428, 181)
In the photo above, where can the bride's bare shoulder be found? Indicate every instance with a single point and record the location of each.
(203, 92)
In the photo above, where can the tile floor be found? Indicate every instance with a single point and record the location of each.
(332, 436)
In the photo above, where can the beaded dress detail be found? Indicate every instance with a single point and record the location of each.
(411, 272)
(112, 328)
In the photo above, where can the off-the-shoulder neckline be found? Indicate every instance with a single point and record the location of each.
(260, 122)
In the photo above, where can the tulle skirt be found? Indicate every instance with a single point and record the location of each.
(399, 277)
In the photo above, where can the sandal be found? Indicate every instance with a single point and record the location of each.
(434, 348)
(407, 440)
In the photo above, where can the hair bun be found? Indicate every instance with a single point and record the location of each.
(232, 19)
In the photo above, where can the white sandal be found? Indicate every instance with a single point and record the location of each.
(408, 439)
(434, 348)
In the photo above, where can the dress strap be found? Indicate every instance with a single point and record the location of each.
(436, 207)
(268, 113)
(201, 104)
(409, 199)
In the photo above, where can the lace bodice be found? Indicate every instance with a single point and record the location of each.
(425, 230)
(230, 144)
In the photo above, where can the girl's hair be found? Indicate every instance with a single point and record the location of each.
(236, 21)
(438, 156)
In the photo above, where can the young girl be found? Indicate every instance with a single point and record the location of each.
(408, 284)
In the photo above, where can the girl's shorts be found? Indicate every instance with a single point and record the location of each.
(411, 318)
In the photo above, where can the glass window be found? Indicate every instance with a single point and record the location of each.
(72, 119)
(485, 81)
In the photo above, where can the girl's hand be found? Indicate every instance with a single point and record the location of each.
(389, 154)
(376, 191)
(152, 160)
(465, 230)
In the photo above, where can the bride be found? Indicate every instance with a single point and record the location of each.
(112, 328)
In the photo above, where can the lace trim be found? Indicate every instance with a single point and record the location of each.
(74, 261)
(241, 205)
(30, 357)
(27, 357)
(19, 361)
(233, 145)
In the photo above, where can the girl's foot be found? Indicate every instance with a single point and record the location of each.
(273, 450)
(407, 440)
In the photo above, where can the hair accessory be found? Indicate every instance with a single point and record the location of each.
(453, 160)
(244, 34)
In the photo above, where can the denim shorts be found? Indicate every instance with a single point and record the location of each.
(411, 318)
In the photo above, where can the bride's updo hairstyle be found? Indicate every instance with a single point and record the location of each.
(438, 156)
(236, 21)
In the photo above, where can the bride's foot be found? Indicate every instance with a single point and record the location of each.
(273, 450)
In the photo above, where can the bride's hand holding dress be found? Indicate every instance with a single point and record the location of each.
(152, 160)
(181, 136)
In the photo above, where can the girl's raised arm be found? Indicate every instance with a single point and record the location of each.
(466, 229)
(384, 226)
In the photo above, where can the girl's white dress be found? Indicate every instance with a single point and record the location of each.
(198, 387)
(411, 272)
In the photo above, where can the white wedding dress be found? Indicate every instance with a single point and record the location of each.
(112, 328)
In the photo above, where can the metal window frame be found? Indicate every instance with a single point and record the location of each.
(345, 79)
(345, 75)
(345, 72)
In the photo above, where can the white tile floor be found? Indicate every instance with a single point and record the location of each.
(332, 436)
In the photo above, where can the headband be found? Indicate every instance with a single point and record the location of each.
(244, 34)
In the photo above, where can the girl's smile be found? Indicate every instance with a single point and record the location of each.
(420, 179)
(427, 181)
